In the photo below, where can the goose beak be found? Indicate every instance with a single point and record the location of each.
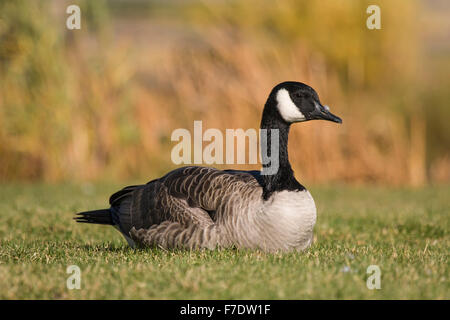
(323, 113)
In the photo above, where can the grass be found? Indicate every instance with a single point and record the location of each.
(403, 231)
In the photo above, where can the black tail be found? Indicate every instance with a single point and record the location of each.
(102, 216)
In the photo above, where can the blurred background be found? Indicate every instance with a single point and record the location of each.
(101, 103)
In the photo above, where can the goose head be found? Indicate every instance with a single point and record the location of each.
(298, 102)
(288, 102)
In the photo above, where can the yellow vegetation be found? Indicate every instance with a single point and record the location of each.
(102, 102)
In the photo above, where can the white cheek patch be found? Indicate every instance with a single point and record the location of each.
(287, 107)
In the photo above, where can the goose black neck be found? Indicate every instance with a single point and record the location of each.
(283, 178)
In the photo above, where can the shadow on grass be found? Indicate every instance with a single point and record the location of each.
(106, 247)
(158, 251)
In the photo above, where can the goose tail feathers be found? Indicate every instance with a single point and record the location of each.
(102, 216)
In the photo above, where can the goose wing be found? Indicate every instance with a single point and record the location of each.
(206, 188)
(186, 195)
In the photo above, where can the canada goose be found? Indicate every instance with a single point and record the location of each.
(201, 207)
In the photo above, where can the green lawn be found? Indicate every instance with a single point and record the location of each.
(403, 231)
